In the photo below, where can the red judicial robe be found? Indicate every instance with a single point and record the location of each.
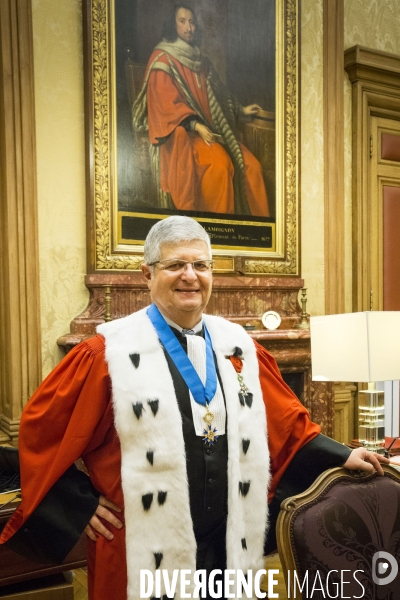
(73, 406)
(198, 176)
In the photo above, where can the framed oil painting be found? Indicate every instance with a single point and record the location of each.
(193, 109)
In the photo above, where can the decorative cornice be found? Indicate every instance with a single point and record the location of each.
(367, 64)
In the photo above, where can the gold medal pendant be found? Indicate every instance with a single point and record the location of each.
(208, 416)
(209, 432)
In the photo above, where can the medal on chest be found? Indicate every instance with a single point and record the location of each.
(202, 394)
(210, 436)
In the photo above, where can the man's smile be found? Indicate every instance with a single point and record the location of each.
(183, 293)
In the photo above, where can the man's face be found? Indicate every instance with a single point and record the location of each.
(181, 296)
(185, 25)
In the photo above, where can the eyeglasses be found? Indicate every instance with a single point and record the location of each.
(175, 265)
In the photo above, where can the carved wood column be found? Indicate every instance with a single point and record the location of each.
(20, 356)
(333, 32)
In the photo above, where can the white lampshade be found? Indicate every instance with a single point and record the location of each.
(363, 346)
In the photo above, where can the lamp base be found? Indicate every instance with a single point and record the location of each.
(371, 419)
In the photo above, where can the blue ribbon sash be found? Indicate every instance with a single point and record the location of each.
(201, 394)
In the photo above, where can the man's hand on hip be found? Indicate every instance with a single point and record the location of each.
(96, 526)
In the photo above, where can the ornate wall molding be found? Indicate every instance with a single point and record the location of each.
(20, 355)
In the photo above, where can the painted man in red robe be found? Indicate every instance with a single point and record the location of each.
(191, 118)
(124, 403)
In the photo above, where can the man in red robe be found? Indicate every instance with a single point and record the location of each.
(158, 487)
(191, 119)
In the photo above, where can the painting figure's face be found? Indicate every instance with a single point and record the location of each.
(181, 296)
(185, 25)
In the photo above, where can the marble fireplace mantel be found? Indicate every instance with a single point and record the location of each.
(240, 299)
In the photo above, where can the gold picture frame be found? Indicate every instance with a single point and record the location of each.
(108, 249)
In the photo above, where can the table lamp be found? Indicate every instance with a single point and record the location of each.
(359, 347)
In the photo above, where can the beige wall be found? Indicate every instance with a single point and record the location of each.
(312, 156)
(372, 23)
(60, 151)
(57, 28)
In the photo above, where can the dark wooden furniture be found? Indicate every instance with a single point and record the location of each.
(15, 568)
(53, 587)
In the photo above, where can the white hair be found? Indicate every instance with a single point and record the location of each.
(172, 230)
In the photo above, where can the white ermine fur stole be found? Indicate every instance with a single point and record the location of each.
(159, 529)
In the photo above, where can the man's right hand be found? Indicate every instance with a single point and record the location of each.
(96, 526)
(205, 133)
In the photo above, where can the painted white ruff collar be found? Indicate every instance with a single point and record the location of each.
(188, 55)
(159, 529)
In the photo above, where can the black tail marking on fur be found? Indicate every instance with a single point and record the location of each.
(249, 399)
(162, 496)
(135, 358)
(153, 405)
(245, 445)
(244, 487)
(138, 409)
(158, 556)
(147, 499)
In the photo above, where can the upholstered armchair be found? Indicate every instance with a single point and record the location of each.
(331, 534)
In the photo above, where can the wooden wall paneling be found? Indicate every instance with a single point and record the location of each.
(334, 226)
(391, 247)
(390, 147)
(344, 411)
(19, 299)
(375, 79)
(333, 95)
(384, 179)
(372, 218)
(381, 174)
